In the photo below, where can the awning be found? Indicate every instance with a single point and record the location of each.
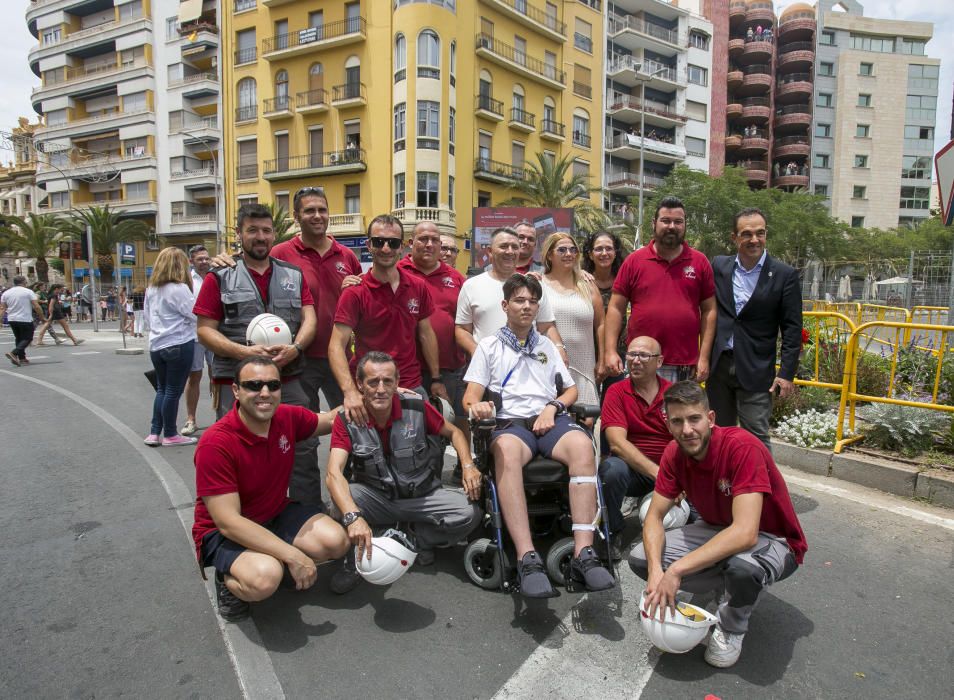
(189, 10)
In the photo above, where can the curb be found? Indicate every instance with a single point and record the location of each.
(936, 486)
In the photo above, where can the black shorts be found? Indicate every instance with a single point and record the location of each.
(220, 552)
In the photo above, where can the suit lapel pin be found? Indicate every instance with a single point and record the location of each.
(770, 274)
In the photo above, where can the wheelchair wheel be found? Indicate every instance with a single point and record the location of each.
(482, 568)
(558, 560)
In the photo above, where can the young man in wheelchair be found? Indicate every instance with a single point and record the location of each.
(521, 366)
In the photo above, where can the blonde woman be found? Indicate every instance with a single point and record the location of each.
(168, 310)
(578, 312)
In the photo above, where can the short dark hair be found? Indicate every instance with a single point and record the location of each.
(254, 360)
(748, 211)
(668, 202)
(197, 249)
(19, 281)
(251, 211)
(518, 281)
(386, 220)
(503, 229)
(524, 222)
(308, 192)
(686, 393)
(376, 357)
(590, 243)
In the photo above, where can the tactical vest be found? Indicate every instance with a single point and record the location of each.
(241, 302)
(408, 471)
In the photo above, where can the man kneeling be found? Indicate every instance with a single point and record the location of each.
(395, 480)
(521, 366)
(245, 526)
(748, 538)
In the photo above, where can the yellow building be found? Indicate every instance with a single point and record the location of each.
(420, 109)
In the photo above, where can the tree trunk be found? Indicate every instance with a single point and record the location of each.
(105, 265)
(42, 270)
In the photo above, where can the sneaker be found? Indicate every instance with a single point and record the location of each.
(177, 440)
(532, 574)
(346, 578)
(153, 440)
(231, 607)
(14, 359)
(630, 504)
(24, 361)
(723, 648)
(589, 570)
(58, 341)
(79, 341)
(39, 344)
(425, 557)
(188, 429)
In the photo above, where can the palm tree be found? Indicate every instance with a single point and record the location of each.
(35, 236)
(109, 228)
(551, 183)
(284, 225)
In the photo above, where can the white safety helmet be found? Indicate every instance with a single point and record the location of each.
(677, 516)
(444, 407)
(391, 557)
(677, 633)
(268, 329)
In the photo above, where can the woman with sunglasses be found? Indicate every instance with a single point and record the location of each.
(602, 258)
(168, 309)
(578, 312)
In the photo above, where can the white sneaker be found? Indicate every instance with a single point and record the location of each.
(189, 428)
(723, 649)
(630, 504)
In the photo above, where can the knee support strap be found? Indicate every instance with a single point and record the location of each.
(590, 527)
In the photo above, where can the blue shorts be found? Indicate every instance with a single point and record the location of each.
(543, 444)
(220, 552)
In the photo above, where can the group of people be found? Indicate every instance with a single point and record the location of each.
(759, 33)
(26, 308)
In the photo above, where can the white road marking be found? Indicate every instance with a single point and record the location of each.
(252, 665)
(85, 352)
(38, 357)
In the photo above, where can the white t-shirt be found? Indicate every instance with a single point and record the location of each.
(19, 303)
(525, 384)
(479, 304)
(168, 311)
(196, 283)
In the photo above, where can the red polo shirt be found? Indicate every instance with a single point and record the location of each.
(387, 320)
(645, 424)
(665, 298)
(433, 421)
(735, 464)
(230, 459)
(324, 274)
(444, 284)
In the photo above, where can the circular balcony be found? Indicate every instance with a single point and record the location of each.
(733, 79)
(732, 142)
(790, 181)
(797, 23)
(793, 119)
(760, 13)
(794, 87)
(789, 146)
(758, 51)
(754, 146)
(756, 84)
(756, 113)
(736, 47)
(736, 12)
(797, 57)
(733, 110)
(757, 174)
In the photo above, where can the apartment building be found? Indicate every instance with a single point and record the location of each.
(419, 109)
(18, 191)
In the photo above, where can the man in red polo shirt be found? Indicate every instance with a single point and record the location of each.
(385, 312)
(748, 536)
(634, 424)
(672, 294)
(245, 526)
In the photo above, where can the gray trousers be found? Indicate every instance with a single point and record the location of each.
(741, 577)
(317, 376)
(733, 404)
(440, 519)
(305, 483)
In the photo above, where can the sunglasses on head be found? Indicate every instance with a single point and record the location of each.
(255, 385)
(305, 191)
(381, 241)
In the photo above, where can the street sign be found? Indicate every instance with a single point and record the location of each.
(65, 250)
(127, 253)
(944, 174)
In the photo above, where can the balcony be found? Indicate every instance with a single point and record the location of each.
(311, 101)
(75, 42)
(346, 224)
(788, 146)
(202, 36)
(532, 17)
(410, 217)
(112, 119)
(96, 166)
(736, 12)
(736, 48)
(757, 51)
(794, 87)
(756, 109)
(628, 146)
(628, 109)
(552, 130)
(204, 84)
(197, 130)
(190, 213)
(760, 13)
(624, 70)
(487, 107)
(732, 142)
(797, 26)
(628, 183)
(581, 139)
(756, 173)
(797, 56)
(522, 120)
(756, 82)
(790, 181)
(346, 31)
(793, 118)
(197, 173)
(734, 79)
(348, 95)
(495, 171)
(350, 160)
(733, 110)
(756, 145)
(246, 113)
(519, 62)
(635, 34)
(279, 107)
(70, 79)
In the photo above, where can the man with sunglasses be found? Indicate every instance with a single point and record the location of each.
(245, 525)
(449, 250)
(385, 312)
(634, 424)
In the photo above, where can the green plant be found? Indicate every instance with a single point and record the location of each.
(809, 429)
(905, 429)
(805, 399)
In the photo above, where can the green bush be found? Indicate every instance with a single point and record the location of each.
(904, 429)
(807, 398)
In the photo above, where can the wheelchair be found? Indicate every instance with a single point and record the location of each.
(490, 561)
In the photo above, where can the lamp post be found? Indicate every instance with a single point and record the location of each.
(643, 78)
(215, 177)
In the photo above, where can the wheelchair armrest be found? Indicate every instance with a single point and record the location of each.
(584, 410)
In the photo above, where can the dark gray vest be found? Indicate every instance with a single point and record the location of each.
(241, 302)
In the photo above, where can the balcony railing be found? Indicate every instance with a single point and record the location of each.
(311, 161)
(348, 91)
(581, 139)
(660, 70)
(791, 141)
(182, 125)
(522, 117)
(246, 55)
(793, 109)
(311, 98)
(247, 172)
(194, 78)
(242, 5)
(796, 46)
(794, 78)
(197, 26)
(583, 42)
(755, 102)
(534, 65)
(415, 214)
(186, 166)
(71, 74)
(311, 35)
(649, 106)
(548, 126)
(632, 180)
(489, 104)
(536, 14)
(246, 113)
(191, 212)
(618, 24)
(279, 103)
(507, 171)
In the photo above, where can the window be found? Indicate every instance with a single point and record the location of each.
(871, 43)
(353, 17)
(918, 167)
(826, 68)
(863, 131)
(172, 28)
(56, 117)
(483, 198)
(582, 84)
(866, 69)
(427, 190)
(924, 77)
(861, 161)
(316, 82)
(428, 124)
(52, 36)
(919, 138)
(428, 55)
(452, 129)
(864, 99)
(484, 143)
(352, 197)
(581, 129)
(281, 90)
(450, 192)
(399, 191)
(400, 58)
(135, 148)
(518, 99)
(821, 160)
(352, 78)
(316, 147)
(245, 43)
(518, 154)
(60, 158)
(137, 190)
(912, 47)
(696, 146)
(827, 39)
(316, 21)
(247, 100)
(824, 99)
(920, 108)
(520, 50)
(823, 130)
(549, 65)
(698, 75)
(915, 198)
(857, 222)
(821, 190)
(697, 111)
(281, 151)
(59, 200)
(400, 116)
(583, 36)
(859, 192)
(247, 159)
(130, 10)
(582, 169)
(453, 63)
(698, 40)
(281, 199)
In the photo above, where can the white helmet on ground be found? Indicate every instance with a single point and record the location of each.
(677, 633)
(444, 407)
(677, 516)
(391, 557)
(268, 329)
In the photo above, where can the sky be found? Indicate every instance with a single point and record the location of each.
(18, 80)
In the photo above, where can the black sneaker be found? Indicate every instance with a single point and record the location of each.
(532, 574)
(347, 577)
(589, 570)
(231, 607)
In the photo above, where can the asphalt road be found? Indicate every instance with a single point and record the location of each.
(102, 597)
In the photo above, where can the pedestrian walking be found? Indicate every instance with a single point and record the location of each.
(43, 298)
(19, 303)
(139, 317)
(56, 312)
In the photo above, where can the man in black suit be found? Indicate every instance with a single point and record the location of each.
(758, 298)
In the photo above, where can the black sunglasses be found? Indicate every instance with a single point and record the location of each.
(255, 385)
(304, 191)
(381, 241)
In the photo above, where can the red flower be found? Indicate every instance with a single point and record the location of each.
(805, 337)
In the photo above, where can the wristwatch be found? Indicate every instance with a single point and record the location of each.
(349, 518)
(558, 405)
(298, 348)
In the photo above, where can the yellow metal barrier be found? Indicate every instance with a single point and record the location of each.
(931, 315)
(829, 329)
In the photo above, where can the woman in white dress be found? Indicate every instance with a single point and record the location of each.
(578, 312)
